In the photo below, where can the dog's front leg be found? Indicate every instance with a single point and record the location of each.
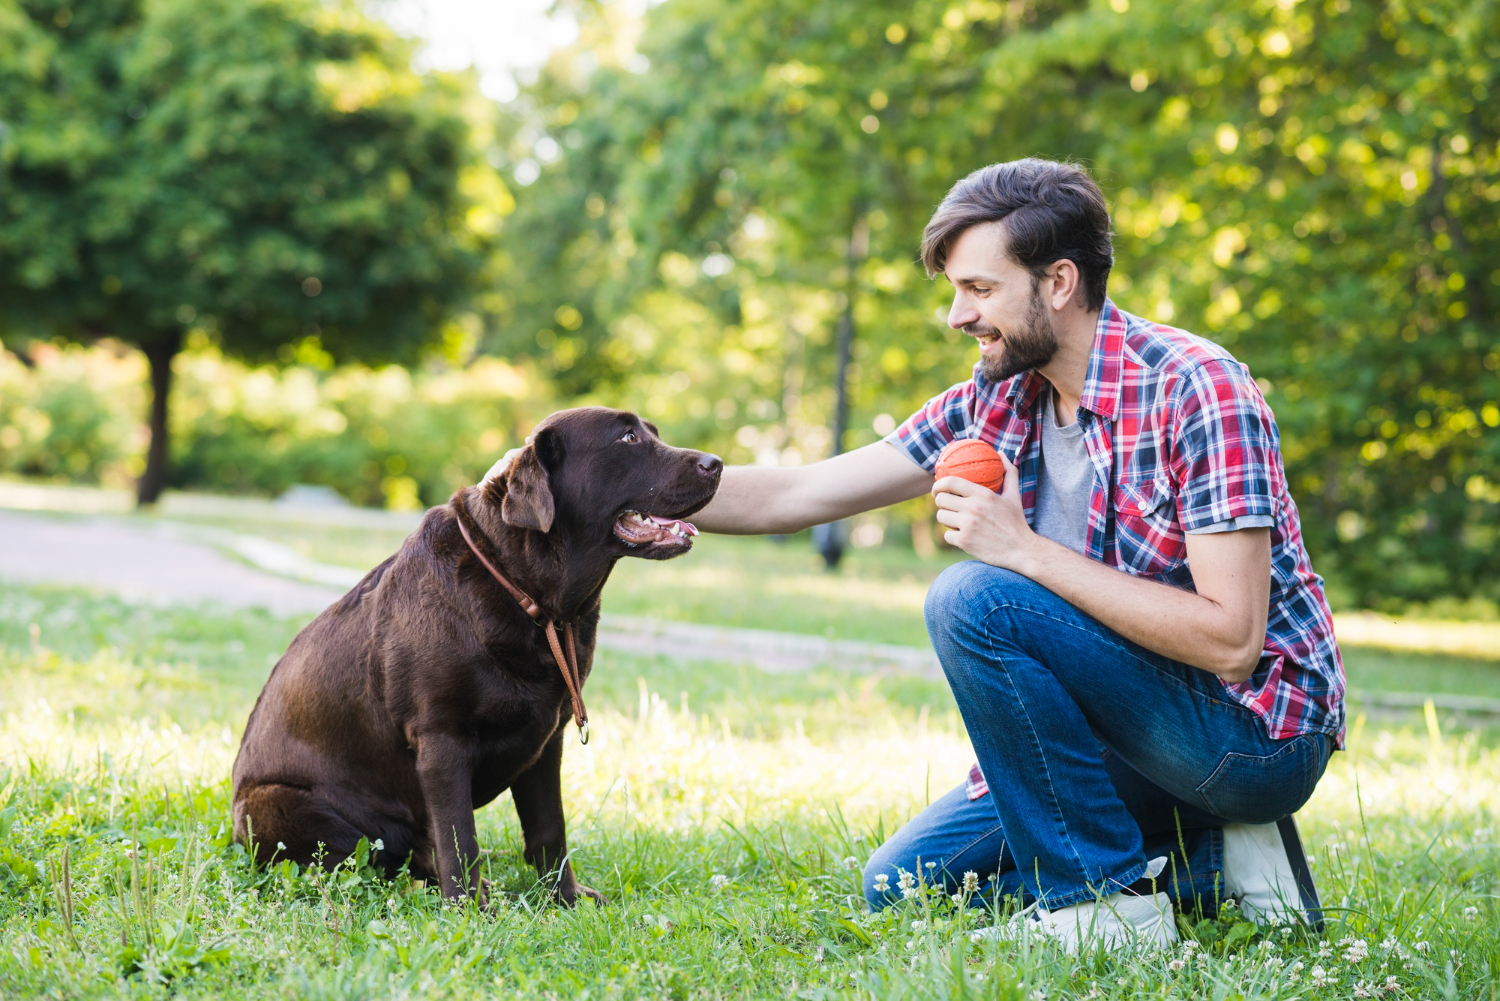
(538, 797)
(445, 770)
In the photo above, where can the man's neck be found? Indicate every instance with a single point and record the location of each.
(1069, 368)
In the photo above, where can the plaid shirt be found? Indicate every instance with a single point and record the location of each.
(1181, 441)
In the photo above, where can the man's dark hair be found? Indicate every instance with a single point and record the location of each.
(1052, 211)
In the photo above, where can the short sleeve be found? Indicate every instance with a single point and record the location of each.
(942, 419)
(1224, 443)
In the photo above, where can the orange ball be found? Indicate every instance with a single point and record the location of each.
(972, 460)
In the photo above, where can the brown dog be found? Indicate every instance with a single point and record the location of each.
(427, 690)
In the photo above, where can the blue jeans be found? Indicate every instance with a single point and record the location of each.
(1099, 754)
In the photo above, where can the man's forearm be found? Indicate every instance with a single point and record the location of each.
(780, 500)
(1180, 624)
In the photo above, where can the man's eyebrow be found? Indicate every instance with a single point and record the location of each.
(975, 280)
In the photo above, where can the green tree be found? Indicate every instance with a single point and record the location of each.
(1312, 182)
(271, 172)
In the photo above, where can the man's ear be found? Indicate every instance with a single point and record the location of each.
(528, 487)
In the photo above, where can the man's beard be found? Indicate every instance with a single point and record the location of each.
(1031, 346)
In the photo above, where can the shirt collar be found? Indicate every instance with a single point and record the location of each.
(1101, 385)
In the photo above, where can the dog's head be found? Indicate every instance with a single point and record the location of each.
(608, 477)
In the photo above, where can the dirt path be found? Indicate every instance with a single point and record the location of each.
(158, 562)
(143, 561)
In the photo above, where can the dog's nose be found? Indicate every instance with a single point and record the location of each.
(711, 465)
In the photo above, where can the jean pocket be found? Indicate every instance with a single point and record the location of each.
(1259, 789)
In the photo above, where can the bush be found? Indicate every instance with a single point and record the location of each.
(74, 414)
(379, 436)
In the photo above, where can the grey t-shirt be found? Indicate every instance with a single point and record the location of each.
(1065, 480)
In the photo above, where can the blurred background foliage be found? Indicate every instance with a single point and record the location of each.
(684, 207)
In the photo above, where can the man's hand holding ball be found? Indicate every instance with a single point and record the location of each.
(979, 503)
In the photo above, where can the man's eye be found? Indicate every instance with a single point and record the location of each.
(630, 438)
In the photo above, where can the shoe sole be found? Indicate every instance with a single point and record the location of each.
(1307, 891)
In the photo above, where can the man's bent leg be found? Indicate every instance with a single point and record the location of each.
(953, 836)
(1036, 679)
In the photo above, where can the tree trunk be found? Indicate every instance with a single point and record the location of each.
(159, 353)
(829, 539)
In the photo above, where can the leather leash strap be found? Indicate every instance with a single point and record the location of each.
(567, 662)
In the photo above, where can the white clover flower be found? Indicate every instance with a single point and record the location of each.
(907, 880)
(1357, 952)
(1388, 943)
(818, 954)
(1362, 990)
(971, 882)
(379, 845)
(1319, 976)
(1324, 950)
(1040, 994)
(918, 925)
(882, 882)
(1471, 912)
(1391, 984)
(1423, 946)
(1297, 966)
(1176, 965)
(1190, 946)
(718, 881)
(851, 863)
(910, 893)
(957, 898)
(281, 846)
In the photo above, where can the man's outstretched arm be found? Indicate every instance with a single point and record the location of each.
(779, 500)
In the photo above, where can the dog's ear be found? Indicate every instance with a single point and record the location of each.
(528, 487)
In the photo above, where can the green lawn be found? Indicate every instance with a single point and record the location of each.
(118, 723)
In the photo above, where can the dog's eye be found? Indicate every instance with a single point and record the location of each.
(629, 438)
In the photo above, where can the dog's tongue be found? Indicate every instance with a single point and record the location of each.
(673, 525)
(633, 526)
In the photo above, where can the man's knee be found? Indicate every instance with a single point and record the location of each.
(965, 594)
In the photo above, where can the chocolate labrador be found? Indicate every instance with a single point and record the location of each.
(431, 687)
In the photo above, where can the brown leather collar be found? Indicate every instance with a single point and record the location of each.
(567, 664)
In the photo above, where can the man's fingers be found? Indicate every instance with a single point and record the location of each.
(499, 468)
(957, 485)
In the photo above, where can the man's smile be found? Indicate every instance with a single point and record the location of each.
(987, 336)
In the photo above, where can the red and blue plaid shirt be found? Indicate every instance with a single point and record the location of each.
(1181, 440)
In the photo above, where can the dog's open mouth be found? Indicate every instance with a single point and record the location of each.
(639, 529)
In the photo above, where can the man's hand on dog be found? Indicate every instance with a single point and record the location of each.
(989, 526)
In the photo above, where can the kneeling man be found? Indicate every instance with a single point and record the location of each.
(1142, 654)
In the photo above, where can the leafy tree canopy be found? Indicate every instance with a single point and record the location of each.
(1314, 183)
(269, 171)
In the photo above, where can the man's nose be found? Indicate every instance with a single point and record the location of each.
(962, 312)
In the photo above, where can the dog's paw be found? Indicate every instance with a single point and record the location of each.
(569, 895)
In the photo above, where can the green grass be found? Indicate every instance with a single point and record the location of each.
(118, 723)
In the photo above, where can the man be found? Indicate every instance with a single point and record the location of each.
(1142, 654)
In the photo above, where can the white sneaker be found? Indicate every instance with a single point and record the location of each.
(1266, 870)
(1118, 921)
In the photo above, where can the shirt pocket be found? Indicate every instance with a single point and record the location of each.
(1148, 537)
